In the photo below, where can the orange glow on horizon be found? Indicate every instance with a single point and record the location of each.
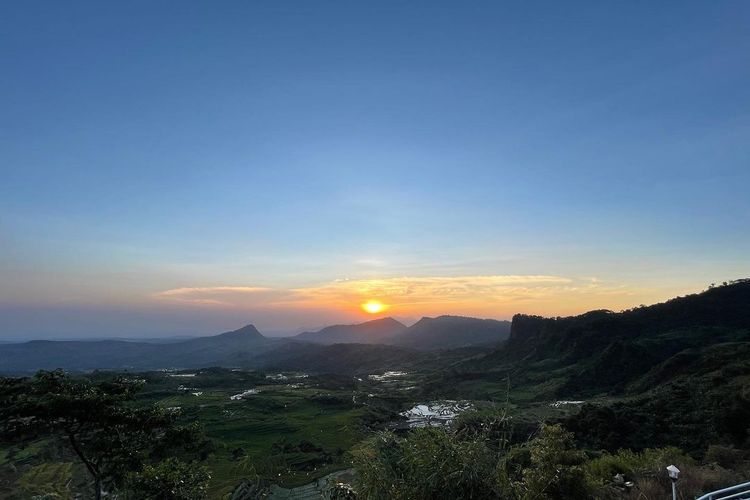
(374, 307)
(480, 296)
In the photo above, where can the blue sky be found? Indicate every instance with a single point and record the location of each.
(185, 167)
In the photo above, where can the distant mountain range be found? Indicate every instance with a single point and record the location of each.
(443, 332)
(593, 352)
(379, 331)
(448, 332)
(248, 348)
(84, 355)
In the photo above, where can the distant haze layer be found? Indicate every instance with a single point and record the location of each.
(205, 310)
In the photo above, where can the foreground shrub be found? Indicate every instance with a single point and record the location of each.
(170, 480)
(472, 461)
(649, 462)
(727, 457)
(647, 471)
(112, 436)
(550, 468)
(694, 481)
(427, 463)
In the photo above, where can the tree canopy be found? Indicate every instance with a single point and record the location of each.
(114, 437)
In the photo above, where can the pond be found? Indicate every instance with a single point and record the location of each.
(558, 404)
(244, 394)
(387, 376)
(435, 414)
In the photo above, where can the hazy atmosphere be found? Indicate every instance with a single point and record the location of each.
(174, 168)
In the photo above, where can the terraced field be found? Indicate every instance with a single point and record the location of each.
(287, 430)
(291, 430)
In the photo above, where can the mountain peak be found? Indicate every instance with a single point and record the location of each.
(446, 331)
(384, 321)
(451, 318)
(248, 330)
(369, 332)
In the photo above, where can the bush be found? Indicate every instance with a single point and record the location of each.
(554, 471)
(647, 470)
(492, 426)
(601, 470)
(471, 461)
(641, 467)
(169, 480)
(725, 456)
(694, 481)
(427, 463)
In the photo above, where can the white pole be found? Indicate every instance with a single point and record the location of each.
(674, 490)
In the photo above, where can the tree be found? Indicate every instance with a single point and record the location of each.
(553, 468)
(170, 479)
(427, 463)
(111, 435)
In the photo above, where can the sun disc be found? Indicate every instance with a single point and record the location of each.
(374, 306)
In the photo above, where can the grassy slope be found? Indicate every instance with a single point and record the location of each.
(268, 426)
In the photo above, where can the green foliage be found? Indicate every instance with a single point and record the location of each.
(169, 480)
(46, 479)
(649, 462)
(601, 470)
(724, 456)
(510, 467)
(427, 463)
(554, 469)
(340, 491)
(437, 463)
(110, 435)
(691, 414)
(491, 426)
(646, 471)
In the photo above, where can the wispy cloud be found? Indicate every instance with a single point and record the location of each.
(490, 295)
(211, 295)
(408, 289)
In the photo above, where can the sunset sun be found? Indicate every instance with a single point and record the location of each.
(374, 306)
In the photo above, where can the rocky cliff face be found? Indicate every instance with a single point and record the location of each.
(532, 333)
(524, 327)
(607, 350)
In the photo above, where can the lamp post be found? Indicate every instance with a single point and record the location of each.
(674, 473)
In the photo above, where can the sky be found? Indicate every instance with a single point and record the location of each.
(189, 167)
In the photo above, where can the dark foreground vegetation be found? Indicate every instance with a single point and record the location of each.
(479, 464)
(592, 406)
(137, 450)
